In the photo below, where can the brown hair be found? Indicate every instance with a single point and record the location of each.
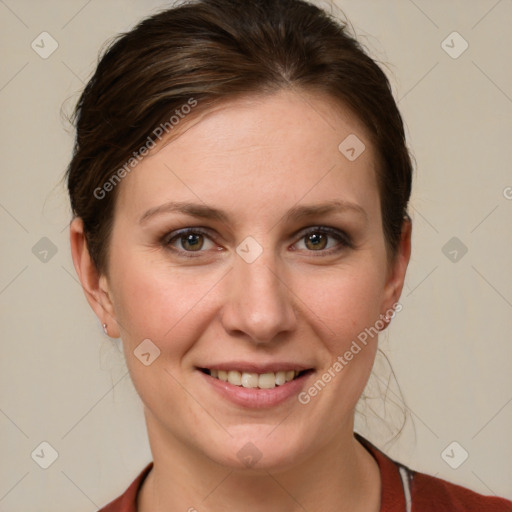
(210, 51)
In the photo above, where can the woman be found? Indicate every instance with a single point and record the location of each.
(240, 184)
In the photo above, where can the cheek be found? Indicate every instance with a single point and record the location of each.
(161, 302)
(169, 306)
(345, 301)
(345, 304)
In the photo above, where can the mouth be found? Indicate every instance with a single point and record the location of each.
(254, 385)
(252, 380)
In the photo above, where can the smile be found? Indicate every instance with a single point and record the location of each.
(243, 379)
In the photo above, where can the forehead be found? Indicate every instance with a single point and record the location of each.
(258, 151)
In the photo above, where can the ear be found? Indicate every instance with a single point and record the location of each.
(94, 284)
(397, 268)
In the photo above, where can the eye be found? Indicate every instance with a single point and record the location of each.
(323, 239)
(189, 240)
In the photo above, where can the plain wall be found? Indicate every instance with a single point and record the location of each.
(62, 381)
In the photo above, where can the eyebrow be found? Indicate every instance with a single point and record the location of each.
(296, 213)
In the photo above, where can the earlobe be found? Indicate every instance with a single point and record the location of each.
(94, 284)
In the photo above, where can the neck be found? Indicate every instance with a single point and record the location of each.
(342, 476)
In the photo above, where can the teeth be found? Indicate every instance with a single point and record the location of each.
(254, 380)
(249, 380)
(280, 378)
(267, 381)
(235, 378)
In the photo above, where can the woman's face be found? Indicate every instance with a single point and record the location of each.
(282, 267)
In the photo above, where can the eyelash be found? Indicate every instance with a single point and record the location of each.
(344, 240)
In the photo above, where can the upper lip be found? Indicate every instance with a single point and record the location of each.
(251, 367)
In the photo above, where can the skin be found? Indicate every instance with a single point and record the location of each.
(255, 158)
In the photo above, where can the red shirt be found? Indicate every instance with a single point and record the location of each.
(403, 490)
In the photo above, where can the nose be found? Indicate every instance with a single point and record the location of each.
(259, 303)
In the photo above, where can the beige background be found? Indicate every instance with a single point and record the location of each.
(63, 382)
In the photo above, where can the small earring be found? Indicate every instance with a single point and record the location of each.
(105, 329)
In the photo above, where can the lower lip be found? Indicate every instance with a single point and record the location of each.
(257, 398)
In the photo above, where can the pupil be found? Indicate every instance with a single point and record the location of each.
(192, 242)
(317, 240)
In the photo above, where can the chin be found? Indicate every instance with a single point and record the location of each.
(259, 448)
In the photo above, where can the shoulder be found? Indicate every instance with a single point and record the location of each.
(406, 489)
(127, 502)
(429, 493)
